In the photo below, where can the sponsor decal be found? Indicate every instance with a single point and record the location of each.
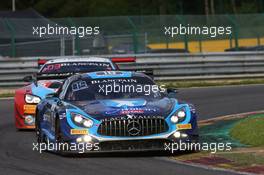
(137, 110)
(29, 109)
(120, 80)
(132, 117)
(110, 112)
(134, 111)
(184, 126)
(131, 111)
(29, 120)
(77, 64)
(79, 131)
(125, 103)
(51, 67)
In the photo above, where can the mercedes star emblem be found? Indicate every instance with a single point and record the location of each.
(133, 128)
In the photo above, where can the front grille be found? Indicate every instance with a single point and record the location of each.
(132, 127)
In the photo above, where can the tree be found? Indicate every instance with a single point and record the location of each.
(233, 5)
(206, 7)
(212, 7)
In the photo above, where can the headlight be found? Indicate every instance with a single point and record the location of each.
(181, 114)
(78, 118)
(32, 99)
(81, 121)
(88, 123)
(174, 119)
(178, 116)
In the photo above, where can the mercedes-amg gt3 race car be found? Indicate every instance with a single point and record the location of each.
(113, 111)
(48, 80)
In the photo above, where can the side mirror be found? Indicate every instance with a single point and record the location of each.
(28, 78)
(172, 92)
(54, 95)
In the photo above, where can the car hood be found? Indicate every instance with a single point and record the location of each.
(41, 90)
(101, 109)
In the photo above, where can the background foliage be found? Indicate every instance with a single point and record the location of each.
(79, 8)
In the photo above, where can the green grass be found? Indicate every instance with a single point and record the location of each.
(206, 83)
(249, 131)
(244, 159)
(7, 95)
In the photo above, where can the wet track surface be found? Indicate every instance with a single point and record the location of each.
(17, 157)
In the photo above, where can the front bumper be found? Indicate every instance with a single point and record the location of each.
(135, 145)
(154, 143)
(148, 145)
(186, 132)
(25, 117)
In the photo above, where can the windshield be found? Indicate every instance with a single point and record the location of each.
(116, 88)
(75, 67)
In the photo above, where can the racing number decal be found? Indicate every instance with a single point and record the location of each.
(79, 85)
(52, 67)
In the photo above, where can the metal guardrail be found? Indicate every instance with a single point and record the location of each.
(200, 66)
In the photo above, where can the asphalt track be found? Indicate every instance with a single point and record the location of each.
(17, 157)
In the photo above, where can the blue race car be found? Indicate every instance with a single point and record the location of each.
(114, 111)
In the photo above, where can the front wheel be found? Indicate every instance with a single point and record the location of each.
(38, 129)
(62, 146)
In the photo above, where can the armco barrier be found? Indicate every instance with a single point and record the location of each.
(163, 66)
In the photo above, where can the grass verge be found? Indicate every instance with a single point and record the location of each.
(244, 159)
(247, 131)
(4, 95)
(250, 131)
(8, 92)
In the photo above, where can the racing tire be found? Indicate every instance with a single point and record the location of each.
(40, 138)
(57, 131)
(58, 138)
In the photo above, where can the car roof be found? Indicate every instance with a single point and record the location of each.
(107, 75)
(81, 59)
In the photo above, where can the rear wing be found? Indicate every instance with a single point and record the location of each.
(121, 60)
(41, 62)
(40, 76)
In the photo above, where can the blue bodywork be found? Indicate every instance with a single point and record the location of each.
(40, 90)
(98, 110)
